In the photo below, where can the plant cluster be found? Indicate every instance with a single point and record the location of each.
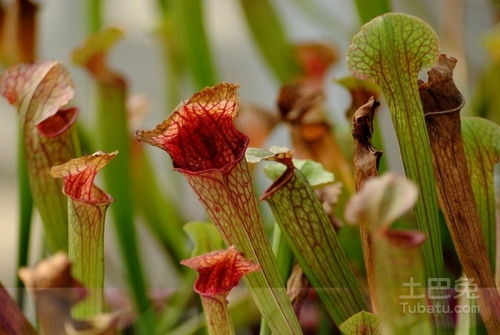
(360, 248)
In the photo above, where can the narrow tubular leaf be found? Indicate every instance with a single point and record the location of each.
(218, 273)
(366, 159)
(482, 150)
(39, 91)
(312, 238)
(284, 260)
(113, 134)
(396, 253)
(466, 320)
(257, 123)
(442, 102)
(391, 49)
(209, 151)
(87, 206)
(12, 319)
(271, 39)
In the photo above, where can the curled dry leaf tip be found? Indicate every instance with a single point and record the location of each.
(56, 291)
(366, 161)
(366, 156)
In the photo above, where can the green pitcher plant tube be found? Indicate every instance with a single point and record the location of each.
(391, 49)
(87, 205)
(396, 253)
(112, 133)
(482, 150)
(40, 91)
(209, 151)
(313, 240)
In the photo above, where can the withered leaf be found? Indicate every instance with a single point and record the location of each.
(442, 102)
(55, 292)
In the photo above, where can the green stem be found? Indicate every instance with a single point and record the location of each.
(283, 253)
(25, 213)
(271, 39)
(190, 33)
(242, 311)
(174, 64)
(284, 260)
(113, 135)
(217, 315)
(94, 15)
(160, 213)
